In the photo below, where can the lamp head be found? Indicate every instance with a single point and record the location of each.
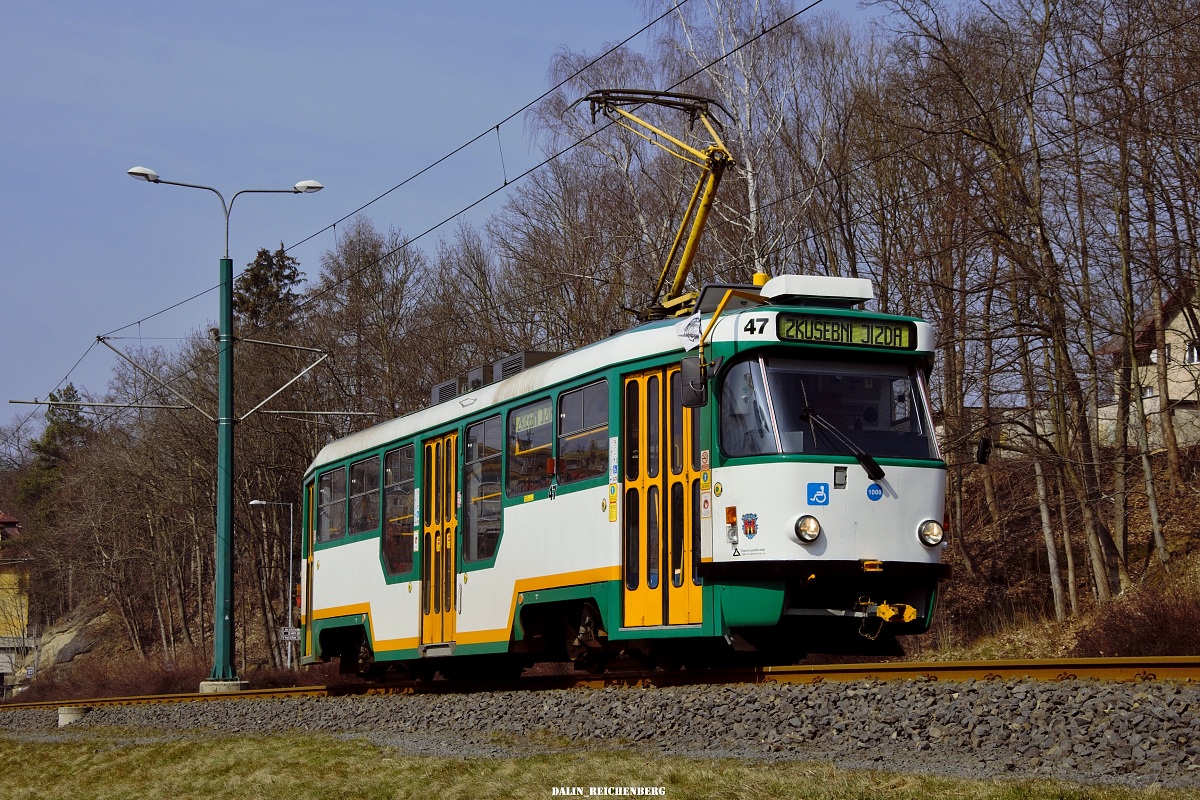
(306, 187)
(144, 174)
(258, 502)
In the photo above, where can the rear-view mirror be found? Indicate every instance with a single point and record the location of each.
(693, 391)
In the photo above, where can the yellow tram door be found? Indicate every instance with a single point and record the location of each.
(311, 534)
(682, 498)
(439, 535)
(661, 542)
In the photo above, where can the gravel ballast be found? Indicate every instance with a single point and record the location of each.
(1088, 732)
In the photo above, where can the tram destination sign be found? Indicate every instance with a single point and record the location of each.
(847, 331)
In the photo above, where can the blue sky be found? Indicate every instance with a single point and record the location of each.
(239, 95)
(236, 95)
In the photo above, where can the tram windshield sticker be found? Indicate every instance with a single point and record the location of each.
(847, 331)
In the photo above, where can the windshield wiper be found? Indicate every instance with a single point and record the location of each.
(874, 471)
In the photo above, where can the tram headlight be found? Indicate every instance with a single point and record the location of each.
(931, 533)
(808, 528)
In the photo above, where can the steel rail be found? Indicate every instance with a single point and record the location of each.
(150, 699)
(1116, 670)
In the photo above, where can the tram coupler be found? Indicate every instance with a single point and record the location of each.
(884, 612)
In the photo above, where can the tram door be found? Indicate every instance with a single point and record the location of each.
(439, 520)
(311, 534)
(661, 459)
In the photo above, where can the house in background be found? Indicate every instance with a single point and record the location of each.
(1180, 357)
(15, 642)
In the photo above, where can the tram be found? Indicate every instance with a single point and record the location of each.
(747, 471)
(633, 498)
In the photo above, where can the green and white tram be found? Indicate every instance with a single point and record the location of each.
(748, 479)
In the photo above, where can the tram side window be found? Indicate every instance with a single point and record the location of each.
(530, 439)
(364, 496)
(399, 506)
(481, 490)
(632, 430)
(583, 433)
(331, 505)
(746, 427)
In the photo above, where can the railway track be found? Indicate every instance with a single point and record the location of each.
(1115, 670)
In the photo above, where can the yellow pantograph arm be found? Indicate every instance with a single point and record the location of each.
(712, 162)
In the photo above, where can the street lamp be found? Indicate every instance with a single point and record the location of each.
(224, 675)
(291, 559)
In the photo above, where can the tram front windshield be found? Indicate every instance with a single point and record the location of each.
(786, 405)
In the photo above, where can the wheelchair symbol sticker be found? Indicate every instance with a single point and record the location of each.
(818, 494)
(874, 492)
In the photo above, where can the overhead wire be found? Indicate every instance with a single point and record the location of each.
(870, 162)
(914, 144)
(697, 72)
(681, 81)
(544, 162)
(496, 127)
(427, 168)
(13, 437)
(160, 312)
(977, 116)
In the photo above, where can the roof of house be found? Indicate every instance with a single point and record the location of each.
(1143, 328)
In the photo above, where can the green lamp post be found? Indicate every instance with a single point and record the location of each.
(224, 675)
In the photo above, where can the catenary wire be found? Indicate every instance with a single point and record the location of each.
(437, 162)
(580, 142)
(432, 165)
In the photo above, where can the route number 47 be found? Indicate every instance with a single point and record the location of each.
(755, 326)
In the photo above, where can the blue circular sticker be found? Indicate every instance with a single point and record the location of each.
(874, 492)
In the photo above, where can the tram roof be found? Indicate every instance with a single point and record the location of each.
(645, 341)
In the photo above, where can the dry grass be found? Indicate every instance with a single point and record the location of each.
(1002, 607)
(1156, 618)
(1021, 639)
(116, 676)
(109, 765)
(127, 676)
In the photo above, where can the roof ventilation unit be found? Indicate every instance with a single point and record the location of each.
(479, 377)
(712, 294)
(511, 365)
(446, 390)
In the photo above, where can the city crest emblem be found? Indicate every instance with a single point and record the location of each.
(749, 525)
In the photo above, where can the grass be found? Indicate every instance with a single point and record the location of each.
(1154, 618)
(105, 765)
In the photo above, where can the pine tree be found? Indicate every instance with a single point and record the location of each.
(66, 432)
(262, 295)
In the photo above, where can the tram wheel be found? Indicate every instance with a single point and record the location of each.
(592, 663)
